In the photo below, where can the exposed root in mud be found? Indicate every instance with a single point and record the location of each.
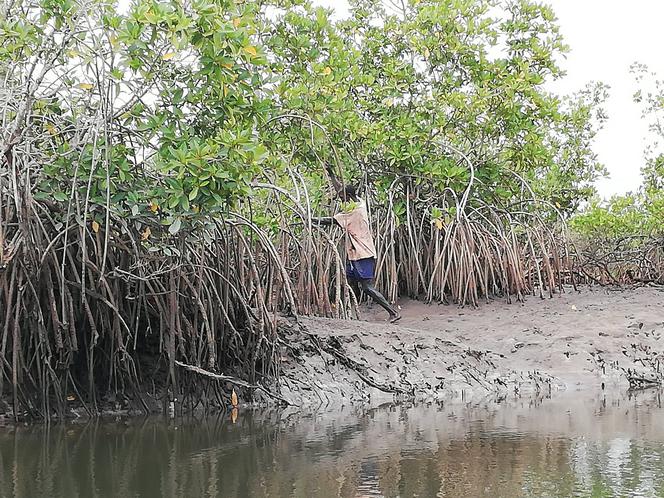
(334, 347)
(330, 361)
(602, 339)
(232, 380)
(642, 380)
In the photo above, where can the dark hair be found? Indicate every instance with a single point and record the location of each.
(349, 192)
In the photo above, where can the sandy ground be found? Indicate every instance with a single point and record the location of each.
(585, 340)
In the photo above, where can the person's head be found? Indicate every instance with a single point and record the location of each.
(348, 193)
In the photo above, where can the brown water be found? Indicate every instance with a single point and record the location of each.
(575, 445)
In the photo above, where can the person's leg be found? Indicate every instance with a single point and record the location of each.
(355, 286)
(353, 280)
(368, 287)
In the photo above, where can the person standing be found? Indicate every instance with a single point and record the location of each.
(360, 247)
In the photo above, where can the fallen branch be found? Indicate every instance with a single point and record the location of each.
(229, 378)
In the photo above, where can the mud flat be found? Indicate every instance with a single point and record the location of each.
(592, 339)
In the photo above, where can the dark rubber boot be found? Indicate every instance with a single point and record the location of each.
(368, 287)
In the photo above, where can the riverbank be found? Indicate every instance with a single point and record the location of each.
(595, 338)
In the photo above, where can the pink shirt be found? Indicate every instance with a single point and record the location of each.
(359, 242)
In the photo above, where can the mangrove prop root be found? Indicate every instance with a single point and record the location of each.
(89, 320)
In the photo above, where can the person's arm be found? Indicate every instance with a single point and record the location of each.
(333, 178)
(324, 220)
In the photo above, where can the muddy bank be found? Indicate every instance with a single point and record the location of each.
(601, 338)
(592, 340)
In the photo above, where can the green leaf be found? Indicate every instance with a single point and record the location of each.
(175, 227)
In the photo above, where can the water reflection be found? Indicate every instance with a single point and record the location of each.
(570, 446)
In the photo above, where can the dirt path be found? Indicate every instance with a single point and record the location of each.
(577, 340)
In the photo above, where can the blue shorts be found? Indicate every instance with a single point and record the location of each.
(362, 269)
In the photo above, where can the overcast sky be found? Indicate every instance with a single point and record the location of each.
(606, 37)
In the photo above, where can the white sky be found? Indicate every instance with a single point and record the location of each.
(606, 37)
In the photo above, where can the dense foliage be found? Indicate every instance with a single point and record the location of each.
(186, 89)
(398, 87)
(160, 168)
